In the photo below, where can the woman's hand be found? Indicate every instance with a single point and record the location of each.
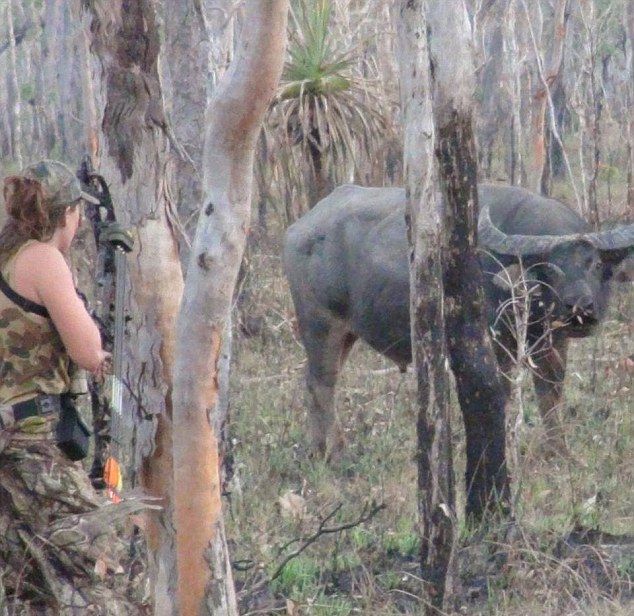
(105, 366)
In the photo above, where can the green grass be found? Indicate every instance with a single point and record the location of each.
(298, 577)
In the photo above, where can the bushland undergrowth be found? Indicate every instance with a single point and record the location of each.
(569, 551)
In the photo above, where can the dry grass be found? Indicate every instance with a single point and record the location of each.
(537, 567)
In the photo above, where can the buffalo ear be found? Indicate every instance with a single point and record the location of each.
(615, 256)
(624, 271)
(618, 265)
(510, 277)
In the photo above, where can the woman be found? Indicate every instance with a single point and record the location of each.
(53, 522)
(43, 322)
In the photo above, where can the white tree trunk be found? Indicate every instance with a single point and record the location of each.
(424, 219)
(237, 108)
(16, 107)
(69, 97)
(196, 38)
(25, 71)
(548, 70)
(198, 50)
(516, 158)
(90, 117)
(40, 127)
(53, 28)
(629, 42)
(590, 110)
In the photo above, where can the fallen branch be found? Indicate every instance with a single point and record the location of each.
(370, 509)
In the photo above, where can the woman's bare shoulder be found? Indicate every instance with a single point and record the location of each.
(40, 265)
(38, 256)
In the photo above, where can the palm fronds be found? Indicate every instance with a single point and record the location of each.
(326, 113)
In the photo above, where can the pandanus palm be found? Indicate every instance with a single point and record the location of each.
(325, 113)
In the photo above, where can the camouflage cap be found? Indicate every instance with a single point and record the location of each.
(60, 184)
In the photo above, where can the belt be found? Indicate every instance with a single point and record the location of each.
(44, 404)
(71, 434)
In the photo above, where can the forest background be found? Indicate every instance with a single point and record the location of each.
(555, 100)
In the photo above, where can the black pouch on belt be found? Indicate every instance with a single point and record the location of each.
(72, 434)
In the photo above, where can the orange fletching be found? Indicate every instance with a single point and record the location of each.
(113, 479)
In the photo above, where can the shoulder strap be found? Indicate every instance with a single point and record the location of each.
(26, 304)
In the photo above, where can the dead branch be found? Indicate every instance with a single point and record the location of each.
(370, 509)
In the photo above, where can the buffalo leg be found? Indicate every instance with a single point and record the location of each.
(327, 346)
(548, 378)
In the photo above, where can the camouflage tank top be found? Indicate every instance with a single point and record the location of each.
(33, 359)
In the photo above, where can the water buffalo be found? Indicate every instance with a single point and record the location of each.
(347, 264)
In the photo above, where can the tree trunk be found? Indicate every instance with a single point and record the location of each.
(91, 122)
(187, 58)
(15, 108)
(25, 71)
(52, 27)
(198, 45)
(590, 110)
(516, 137)
(68, 99)
(481, 392)
(47, 50)
(556, 153)
(629, 42)
(236, 112)
(548, 71)
(125, 37)
(40, 127)
(494, 108)
(436, 495)
(319, 183)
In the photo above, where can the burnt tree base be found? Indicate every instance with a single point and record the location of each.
(481, 392)
(436, 490)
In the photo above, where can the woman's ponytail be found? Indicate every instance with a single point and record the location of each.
(24, 199)
(30, 218)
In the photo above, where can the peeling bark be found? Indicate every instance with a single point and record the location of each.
(236, 112)
(436, 494)
(135, 157)
(198, 48)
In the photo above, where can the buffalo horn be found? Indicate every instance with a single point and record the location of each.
(619, 239)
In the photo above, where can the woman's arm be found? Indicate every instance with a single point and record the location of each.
(51, 281)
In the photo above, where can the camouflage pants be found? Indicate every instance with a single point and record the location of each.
(64, 549)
